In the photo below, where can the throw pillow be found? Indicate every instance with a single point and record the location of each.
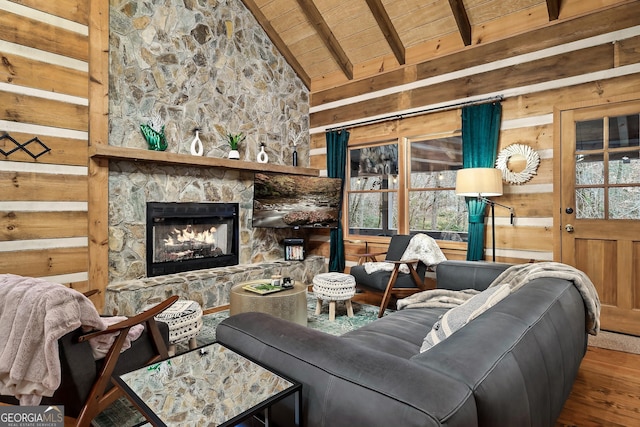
(459, 316)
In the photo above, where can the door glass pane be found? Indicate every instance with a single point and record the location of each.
(589, 169)
(624, 203)
(624, 131)
(624, 168)
(590, 203)
(590, 135)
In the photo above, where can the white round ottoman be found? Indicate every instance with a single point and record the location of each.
(334, 287)
(184, 319)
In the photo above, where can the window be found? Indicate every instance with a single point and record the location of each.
(388, 195)
(434, 208)
(373, 190)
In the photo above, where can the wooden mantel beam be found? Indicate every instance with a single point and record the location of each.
(460, 14)
(331, 42)
(387, 28)
(278, 42)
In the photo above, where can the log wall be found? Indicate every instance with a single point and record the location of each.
(44, 50)
(581, 58)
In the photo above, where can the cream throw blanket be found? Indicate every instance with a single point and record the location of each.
(420, 247)
(519, 275)
(34, 314)
(515, 277)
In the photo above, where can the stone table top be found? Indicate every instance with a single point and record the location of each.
(207, 386)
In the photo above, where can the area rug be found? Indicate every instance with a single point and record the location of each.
(123, 414)
(615, 341)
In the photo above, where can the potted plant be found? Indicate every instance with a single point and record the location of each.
(234, 140)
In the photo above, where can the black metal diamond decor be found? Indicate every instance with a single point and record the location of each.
(43, 149)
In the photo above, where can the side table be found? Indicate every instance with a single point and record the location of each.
(290, 304)
(212, 385)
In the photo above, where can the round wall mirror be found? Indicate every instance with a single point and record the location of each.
(518, 163)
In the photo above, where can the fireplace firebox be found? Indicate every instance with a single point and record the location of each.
(191, 236)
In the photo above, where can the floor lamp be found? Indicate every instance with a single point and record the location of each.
(482, 183)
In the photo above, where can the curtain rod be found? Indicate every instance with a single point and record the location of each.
(417, 113)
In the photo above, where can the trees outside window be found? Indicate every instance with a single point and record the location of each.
(389, 193)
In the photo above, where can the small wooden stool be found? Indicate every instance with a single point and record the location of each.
(184, 319)
(334, 287)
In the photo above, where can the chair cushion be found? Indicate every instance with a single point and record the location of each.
(459, 316)
(379, 279)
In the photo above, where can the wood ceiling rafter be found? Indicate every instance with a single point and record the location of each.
(462, 20)
(387, 28)
(278, 42)
(331, 42)
(553, 6)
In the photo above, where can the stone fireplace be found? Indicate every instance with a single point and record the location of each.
(191, 236)
(210, 66)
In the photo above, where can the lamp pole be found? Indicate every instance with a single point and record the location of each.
(493, 221)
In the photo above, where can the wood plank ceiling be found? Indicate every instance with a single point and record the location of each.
(343, 40)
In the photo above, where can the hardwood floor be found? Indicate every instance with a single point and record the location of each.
(606, 392)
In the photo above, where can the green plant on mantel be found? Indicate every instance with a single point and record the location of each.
(234, 140)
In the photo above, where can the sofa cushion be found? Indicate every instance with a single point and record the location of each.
(459, 316)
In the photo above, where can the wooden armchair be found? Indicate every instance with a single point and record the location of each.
(392, 283)
(86, 388)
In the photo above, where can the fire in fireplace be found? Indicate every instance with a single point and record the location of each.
(191, 236)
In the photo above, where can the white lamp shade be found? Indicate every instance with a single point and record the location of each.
(474, 182)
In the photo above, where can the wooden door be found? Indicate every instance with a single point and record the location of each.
(600, 205)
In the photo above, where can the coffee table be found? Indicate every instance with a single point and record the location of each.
(290, 304)
(211, 385)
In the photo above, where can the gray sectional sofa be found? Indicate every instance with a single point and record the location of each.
(513, 365)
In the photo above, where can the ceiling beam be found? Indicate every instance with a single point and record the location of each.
(278, 42)
(387, 28)
(315, 18)
(460, 14)
(553, 6)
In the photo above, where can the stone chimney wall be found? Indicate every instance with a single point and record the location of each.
(196, 64)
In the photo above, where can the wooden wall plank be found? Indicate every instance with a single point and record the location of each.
(98, 188)
(522, 238)
(64, 151)
(24, 186)
(45, 112)
(16, 225)
(46, 262)
(73, 10)
(39, 35)
(597, 58)
(629, 51)
(537, 137)
(22, 71)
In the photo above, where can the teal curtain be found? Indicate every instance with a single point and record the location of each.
(480, 132)
(336, 165)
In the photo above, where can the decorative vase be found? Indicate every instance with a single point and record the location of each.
(234, 155)
(262, 156)
(196, 145)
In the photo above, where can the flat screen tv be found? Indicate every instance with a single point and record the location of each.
(296, 201)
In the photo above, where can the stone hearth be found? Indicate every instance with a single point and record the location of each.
(210, 288)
